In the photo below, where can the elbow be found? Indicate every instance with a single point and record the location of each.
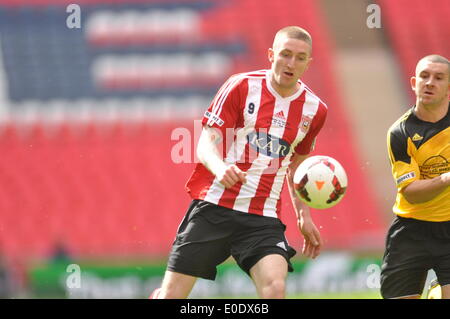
(201, 149)
(410, 195)
(199, 154)
(414, 198)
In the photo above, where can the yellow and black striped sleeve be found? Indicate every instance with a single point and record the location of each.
(401, 149)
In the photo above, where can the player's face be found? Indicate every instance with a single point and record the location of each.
(431, 83)
(290, 59)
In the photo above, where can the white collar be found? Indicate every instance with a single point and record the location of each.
(277, 95)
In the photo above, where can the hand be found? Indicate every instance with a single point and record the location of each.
(228, 176)
(313, 241)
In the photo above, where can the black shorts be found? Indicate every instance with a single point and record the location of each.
(412, 248)
(209, 234)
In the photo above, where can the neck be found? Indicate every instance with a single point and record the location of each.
(431, 112)
(284, 91)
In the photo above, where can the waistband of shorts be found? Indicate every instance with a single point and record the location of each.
(421, 222)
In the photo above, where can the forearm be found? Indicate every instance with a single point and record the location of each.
(313, 240)
(208, 153)
(301, 209)
(423, 190)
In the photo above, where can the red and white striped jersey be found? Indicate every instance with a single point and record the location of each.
(260, 132)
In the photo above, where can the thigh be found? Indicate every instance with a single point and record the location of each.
(445, 292)
(269, 268)
(257, 237)
(176, 285)
(406, 261)
(202, 242)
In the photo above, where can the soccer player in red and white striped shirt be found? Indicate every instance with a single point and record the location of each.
(260, 126)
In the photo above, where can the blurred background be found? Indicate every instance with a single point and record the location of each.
(97, 133)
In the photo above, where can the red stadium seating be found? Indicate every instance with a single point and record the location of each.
(416, 28)
(113, 189)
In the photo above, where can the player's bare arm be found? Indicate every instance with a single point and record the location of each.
(424, 190)
(208, 154)
(313, 241)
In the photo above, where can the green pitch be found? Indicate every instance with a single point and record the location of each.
(350, 295)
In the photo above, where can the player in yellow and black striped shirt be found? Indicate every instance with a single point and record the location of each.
(419, 151)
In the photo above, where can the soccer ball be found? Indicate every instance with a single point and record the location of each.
(320, 182)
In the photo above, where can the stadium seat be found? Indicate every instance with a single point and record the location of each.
(416, 28)
(111, 188)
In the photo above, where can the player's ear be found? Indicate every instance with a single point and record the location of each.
(413, 83)
(308, 63)
(270, 55)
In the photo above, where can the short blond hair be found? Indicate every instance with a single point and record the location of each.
(435, 58)
(294, 32)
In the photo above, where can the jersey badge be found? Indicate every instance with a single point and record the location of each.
(417, 137)
(305, 123)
